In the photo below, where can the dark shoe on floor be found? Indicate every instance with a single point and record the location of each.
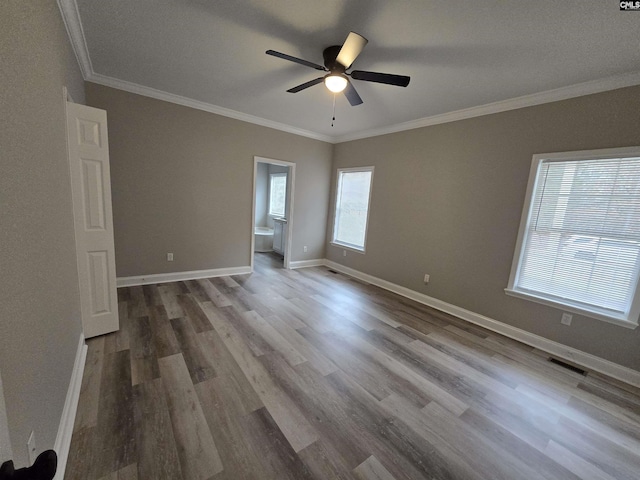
(7, 470)
(44, 468)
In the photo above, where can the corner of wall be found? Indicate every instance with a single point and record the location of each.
(5, 442)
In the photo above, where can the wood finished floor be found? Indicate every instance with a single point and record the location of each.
(308, 374)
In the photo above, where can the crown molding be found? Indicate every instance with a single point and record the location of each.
(563, 93)
(73, 24)
(71, 19)
(207, 107)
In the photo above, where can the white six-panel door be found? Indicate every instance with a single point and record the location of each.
(91, 192)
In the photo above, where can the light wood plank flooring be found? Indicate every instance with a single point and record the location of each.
(308, 374)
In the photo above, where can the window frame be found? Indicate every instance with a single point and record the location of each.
(284, 213)
(628, 320)
(334, 241)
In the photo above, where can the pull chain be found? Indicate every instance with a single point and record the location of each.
(334, 110)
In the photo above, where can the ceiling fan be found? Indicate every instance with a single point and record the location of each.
(337, 60)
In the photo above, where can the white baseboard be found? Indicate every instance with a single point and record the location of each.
(556, 349)
(180, 276)
(316, 262)
(65, 429)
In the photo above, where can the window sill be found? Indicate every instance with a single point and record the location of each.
(621, 322)
(347, 247)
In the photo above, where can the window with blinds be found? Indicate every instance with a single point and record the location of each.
(277, 194)
(579, 244)
(353, 195)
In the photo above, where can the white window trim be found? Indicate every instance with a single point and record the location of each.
(335, 242)
(628, 321)
(284, 214)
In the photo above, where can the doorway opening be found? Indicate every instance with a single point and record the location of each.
(272, 218)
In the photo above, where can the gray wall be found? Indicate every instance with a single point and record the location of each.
(182, 182)
(447, 201)
(262, 194)
(40, 322)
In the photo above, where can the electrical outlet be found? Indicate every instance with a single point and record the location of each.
(169, 257)
(566, 319)
(426, 278)
(31, 448)
(344, 253)
(304, 249)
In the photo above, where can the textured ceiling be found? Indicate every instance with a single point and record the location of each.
(459, 53)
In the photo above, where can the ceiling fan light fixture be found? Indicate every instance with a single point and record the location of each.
(336, 82)
(338, 59)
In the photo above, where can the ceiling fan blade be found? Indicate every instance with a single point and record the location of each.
(295, 60)
(306, 85)
(387, 78)
(352, 95)
(352, 47)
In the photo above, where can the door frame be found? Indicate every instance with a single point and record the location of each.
(291, 189)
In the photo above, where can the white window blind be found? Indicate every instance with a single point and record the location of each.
(581, 246)
(352, 207)
(277, 194)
